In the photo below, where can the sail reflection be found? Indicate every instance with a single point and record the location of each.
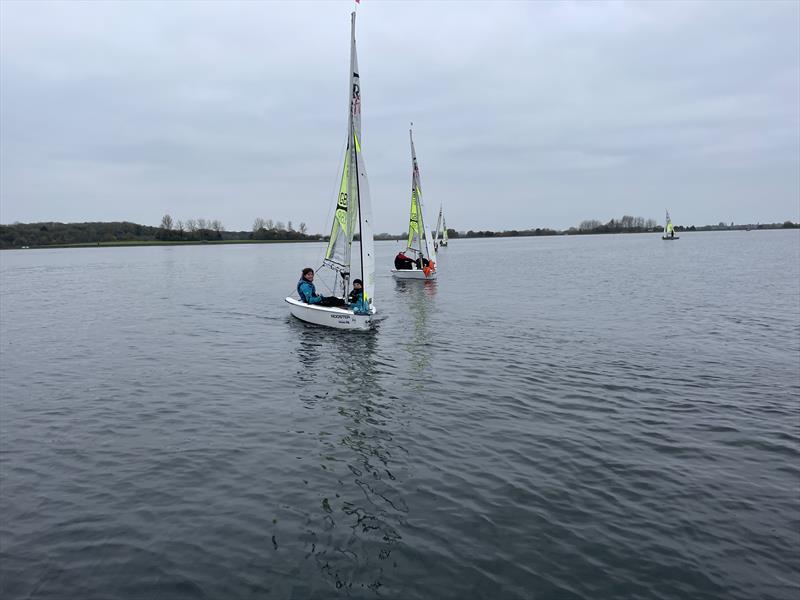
(417, 295)
(354, 527)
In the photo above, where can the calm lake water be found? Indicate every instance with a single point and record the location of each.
(567, 417)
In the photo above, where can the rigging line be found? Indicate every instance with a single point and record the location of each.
(336, 275)
(320, 281)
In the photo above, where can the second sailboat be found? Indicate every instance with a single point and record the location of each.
(418, 260)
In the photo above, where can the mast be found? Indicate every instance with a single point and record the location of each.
(362, 208)
(354, 75)
(413, 186)
(353, 202)
(351, 137)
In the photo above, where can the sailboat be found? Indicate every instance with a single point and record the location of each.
(669, 231)
(353, 215)
(420, 244)
(441, 229)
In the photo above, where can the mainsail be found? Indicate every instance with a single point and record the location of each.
(353, 212)
(419, 236)
(668, 226)
(438, 227)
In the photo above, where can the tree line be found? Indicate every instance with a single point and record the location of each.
(191, 230)
(20, 235)
(50, 233)
(626, 224)
(267, 229)
(508, 233)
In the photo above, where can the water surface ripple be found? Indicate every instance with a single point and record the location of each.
(570, 417)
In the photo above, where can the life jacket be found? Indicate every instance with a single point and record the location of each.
(361, 307)
(306, 295)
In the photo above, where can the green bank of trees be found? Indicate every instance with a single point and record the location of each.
(267, 229)
(47, 234)
(626, 224)
(191, 230)
(508, 233)
(19, 235)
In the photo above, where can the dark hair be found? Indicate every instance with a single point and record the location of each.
(355, 281)
(307, 270)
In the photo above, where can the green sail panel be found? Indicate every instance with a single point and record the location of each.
(339, 229)
(414, 228)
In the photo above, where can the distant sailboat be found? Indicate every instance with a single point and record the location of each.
(669, 231)
(440, 235)
(353, 215)
(420, 244)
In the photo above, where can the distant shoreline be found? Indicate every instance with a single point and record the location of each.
(125, 244)
(132, 243)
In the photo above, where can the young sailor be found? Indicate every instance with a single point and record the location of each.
(358, 292)
(356, 298)
(308, 293)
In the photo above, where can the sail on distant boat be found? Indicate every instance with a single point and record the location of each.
(420, 244)
(353, 215)
(669, 230)
(440, 233)
(436, 230)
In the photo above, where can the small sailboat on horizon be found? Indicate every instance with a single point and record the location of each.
(441, 229)
(422, 262)
(669, 230)
(353, 215)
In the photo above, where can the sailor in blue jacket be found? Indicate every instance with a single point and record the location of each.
(308, 293)
(357, 303)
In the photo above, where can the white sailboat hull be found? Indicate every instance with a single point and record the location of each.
(330, 316)
(412, 274)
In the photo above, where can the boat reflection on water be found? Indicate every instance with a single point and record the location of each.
(417, 295)
(353, 511)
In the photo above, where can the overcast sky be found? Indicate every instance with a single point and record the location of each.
(525, 114)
